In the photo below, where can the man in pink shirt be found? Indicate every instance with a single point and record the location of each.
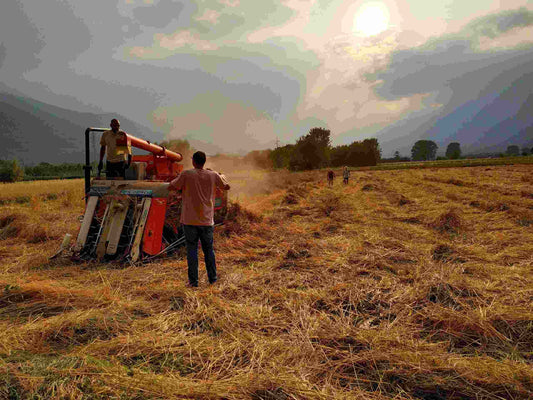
(197, 211)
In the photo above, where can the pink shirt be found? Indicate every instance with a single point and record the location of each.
(198, 195)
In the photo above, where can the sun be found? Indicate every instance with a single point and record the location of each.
(370, 19)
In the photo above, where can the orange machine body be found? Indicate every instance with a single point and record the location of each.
(162, 227)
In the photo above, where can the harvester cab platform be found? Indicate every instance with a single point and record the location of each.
(137, 218)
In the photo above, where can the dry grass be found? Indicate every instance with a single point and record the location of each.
(412, 284)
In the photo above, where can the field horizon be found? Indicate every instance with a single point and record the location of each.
(403, 284)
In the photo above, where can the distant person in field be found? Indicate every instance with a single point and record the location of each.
(345, 175)
(197, 187)
(115, 146)
(331, 176)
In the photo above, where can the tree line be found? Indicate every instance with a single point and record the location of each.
(13, 171)
(311, 151)
(426, 150)
(314, 150)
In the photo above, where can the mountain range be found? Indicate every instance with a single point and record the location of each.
(489, 121)
(34, 132)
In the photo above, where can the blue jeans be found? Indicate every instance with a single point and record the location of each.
(205, 235)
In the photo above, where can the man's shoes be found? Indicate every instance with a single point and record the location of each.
(190, 285)
(213, 282)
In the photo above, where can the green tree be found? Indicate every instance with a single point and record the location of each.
(362, 153)
(424, 150)
(453, 151)
(372, 151)
(513, 150)
(339, 155)
(397, 155)
(11, 171)
(281, 156)
(312, 150)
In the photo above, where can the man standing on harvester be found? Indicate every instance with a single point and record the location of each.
(115, 143)
(197, 187)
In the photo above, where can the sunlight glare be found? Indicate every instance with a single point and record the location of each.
(371, 19)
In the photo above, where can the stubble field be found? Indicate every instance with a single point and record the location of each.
(408, 284)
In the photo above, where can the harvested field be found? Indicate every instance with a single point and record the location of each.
(405, 284)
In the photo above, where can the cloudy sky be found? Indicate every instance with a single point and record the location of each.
(241, 74)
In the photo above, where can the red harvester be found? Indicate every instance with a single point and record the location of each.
(136, 218)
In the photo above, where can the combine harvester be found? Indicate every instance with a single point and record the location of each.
(136, 219)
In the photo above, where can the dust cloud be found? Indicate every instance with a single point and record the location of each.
(245, 178)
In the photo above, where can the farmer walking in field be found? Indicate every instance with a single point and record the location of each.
(345, 175)
(331, 175)
(115, 144)
(197, 187)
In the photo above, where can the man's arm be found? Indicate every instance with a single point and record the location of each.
(101, 162)
(102, 152)
(222, 182)
(177, 183)
(128, 147)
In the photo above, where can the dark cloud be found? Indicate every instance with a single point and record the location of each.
(22, 41)
(164, 12)
(60, 47)
(231, 21)
(247, 78)
(430, 67)
(2, 54)
(435, 65)
(494, 25)
(39, 35)
(248, 16)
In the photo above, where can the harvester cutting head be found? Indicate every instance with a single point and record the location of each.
(137, 218)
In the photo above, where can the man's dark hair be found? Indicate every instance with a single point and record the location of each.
(199, 158)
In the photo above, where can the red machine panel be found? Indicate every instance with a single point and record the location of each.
(159, 168)
(153, 231)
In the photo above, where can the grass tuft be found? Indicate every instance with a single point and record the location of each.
(442, 253)
(272, 393)
(239, 219)
(449, 222)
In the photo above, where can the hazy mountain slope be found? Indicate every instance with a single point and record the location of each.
(33, 132)
(484, 120)
(517, 130)
(502, 119)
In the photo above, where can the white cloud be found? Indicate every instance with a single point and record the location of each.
(163, 44)
(210, 16)
(183, 39)
(230, 3)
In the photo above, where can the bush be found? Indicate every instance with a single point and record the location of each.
(11, 171)
(46, 170)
